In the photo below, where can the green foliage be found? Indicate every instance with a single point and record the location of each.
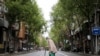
(28, 11)
(44, 42)
(41, 41)
(68, 12)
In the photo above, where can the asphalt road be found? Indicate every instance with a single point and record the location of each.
(43, 53)
(59, 53)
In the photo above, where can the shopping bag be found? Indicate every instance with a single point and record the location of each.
(51, 54)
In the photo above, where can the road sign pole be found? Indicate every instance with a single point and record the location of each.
(96, 45)
(96, 48)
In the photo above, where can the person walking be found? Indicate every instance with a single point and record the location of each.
(52, 47)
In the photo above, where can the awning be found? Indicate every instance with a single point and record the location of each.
(3, 23)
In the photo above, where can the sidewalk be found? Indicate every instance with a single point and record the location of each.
(79, 53)
(14, 54)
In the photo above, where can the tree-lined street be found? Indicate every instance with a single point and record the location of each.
(27, 27)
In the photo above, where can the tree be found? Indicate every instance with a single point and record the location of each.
(68, 12)
(59, 24)
(27, 11)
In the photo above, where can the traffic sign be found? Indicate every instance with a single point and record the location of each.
(96, 30)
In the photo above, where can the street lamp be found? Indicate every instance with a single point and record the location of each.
(89, 43)
(88, 37)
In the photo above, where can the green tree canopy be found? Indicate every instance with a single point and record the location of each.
(27, 11)
(68, 12)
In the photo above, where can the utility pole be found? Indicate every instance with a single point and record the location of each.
(96, 25)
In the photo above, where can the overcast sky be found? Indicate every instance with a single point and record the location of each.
(46, 7)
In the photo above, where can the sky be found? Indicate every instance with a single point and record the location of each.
(46, 7)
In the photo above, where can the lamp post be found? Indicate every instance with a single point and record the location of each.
(89, 42)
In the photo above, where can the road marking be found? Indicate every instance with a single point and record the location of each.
(62, 54)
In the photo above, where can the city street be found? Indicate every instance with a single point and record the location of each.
(42, 27)
(42, 53)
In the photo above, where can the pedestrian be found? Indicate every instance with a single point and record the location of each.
(52, 47)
